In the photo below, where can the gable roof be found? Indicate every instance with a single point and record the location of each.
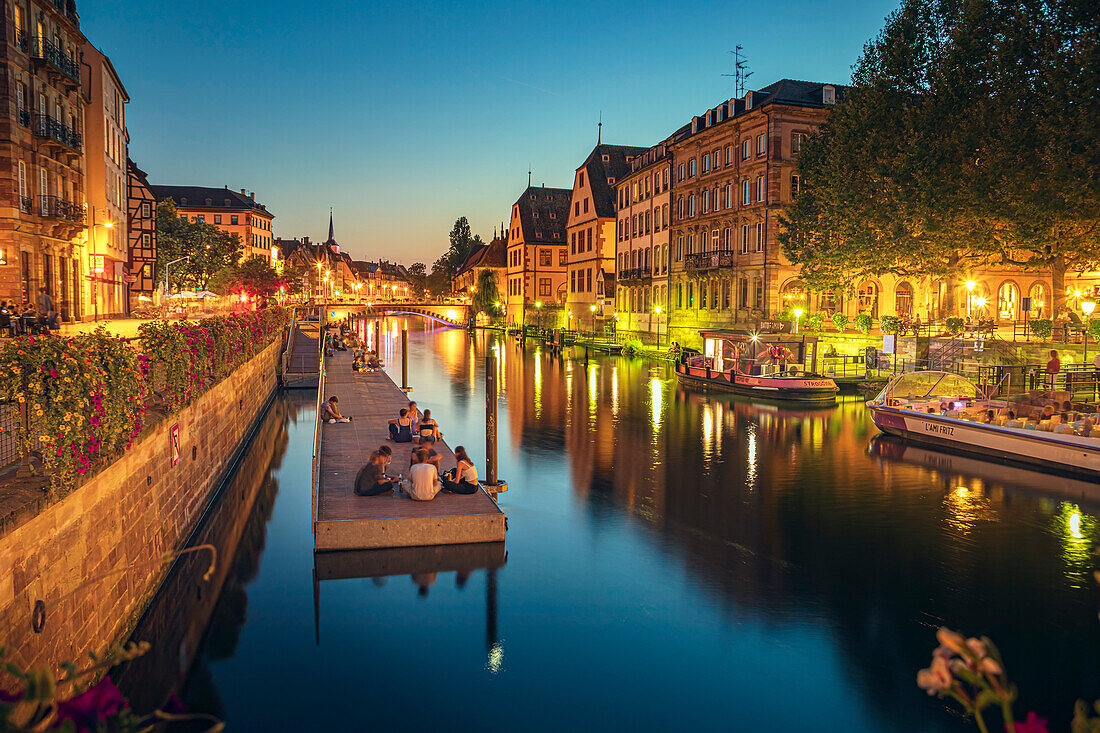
(599, 171)
(194, 197)
(546, 211)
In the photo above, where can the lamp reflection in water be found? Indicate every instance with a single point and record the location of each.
(656, 403)
(615, 392)
(750, 469)
(538, 385)
(1076, 530)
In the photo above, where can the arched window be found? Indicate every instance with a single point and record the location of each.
(793, 295)
(703, 241)
(868, 299)
(1008, 301)
(903, 300)
(1038, 295)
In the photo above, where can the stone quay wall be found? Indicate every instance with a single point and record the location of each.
(93, 558)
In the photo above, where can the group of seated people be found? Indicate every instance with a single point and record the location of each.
(424, 480)
(20, 319)
(410, 426)
(1044, 414)
(365, 361)
(338, 337)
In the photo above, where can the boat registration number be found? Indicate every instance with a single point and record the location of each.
(941, 429)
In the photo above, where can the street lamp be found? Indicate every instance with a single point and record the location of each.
(969, 296)
(657, 310)
(797, 314)
(538, 309)
(592, 310)
(167, 288)
(1088, 306)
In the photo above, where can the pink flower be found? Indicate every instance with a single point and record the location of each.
(937, 677)
(952, 640)
(1033, 724)
(92, 707)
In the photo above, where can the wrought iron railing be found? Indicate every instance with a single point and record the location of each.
(21, 40)
(53, 207)
(46, 50)
(11, 417)
(635, 273)
(47, 127)
(24, 118)
(708, 260)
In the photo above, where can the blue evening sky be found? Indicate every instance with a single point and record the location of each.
(405, 116)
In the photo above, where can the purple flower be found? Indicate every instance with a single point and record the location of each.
(6, 696)
(1033, 724)
(92, 706)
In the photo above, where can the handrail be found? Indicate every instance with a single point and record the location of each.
(289, 342)
(317, 425)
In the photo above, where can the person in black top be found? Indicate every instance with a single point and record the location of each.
(371, 481)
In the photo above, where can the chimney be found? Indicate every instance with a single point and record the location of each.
(252, 195)
(243, 192)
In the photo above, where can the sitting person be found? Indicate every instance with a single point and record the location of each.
(423, 483)
(427, 427)
(401, 428)
(372, 362)
(331, 413)
(357, 364)
(426, 444)
(387, 455)
(414, 415)
(462, 479)
(372, 479)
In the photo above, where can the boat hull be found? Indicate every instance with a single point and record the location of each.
(1064, 453)
(819, 390)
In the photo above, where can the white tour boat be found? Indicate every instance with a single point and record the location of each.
(949, 411)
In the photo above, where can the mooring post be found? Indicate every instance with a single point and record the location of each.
(405, 359)
(491, 418)
(378, 339)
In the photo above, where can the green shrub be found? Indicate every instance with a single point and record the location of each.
(784, 315)
(890, 324)
(840, 321)
(1094, 329)
(955, 325)
(864, 323)
(633, 346)
(814, 321)
(1042, 327)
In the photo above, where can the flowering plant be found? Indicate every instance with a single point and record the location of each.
(864, 323)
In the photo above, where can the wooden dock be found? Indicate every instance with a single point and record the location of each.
(300, 364)
(345, 521)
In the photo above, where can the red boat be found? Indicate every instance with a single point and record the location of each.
(772, 366)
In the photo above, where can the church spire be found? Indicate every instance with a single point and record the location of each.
(331, 233)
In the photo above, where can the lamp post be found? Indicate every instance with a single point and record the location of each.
(1088, 306)
(538, 309)
(657, 310)
(969, 296)
(797, 314)
(592, 310)
(167, 287)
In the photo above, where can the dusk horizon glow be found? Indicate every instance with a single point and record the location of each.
(404, 119)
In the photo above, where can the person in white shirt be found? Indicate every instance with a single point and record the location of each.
(462, 479)
(423, 483)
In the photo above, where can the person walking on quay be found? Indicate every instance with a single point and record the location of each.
(330, 413)
(1053, 367)
(372, 480)
(44, 307)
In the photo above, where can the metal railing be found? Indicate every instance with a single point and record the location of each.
(46, 50)
(53, 207)
(11, 417)
(21, 40)
(24, 118)
(317, 425)
(56, 130)
(708, 260)
(635, 273)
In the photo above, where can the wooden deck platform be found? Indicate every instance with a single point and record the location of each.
(301, 368)
(346, 521)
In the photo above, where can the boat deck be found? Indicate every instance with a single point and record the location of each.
(346, 521)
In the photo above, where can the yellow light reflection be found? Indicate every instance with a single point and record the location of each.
(592, 387)
(966, 506)
(656, 402)
(538, 385)
(496, 658)
(1076, 530)
(750, 470)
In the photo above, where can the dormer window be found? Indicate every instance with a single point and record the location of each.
(532, 197)
(610, 181)
(209, 202)
(607, 158)
(183, 201)
(227, 202)
(629, 158)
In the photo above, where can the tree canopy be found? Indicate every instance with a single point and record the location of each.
(968, 139)
(487, 295)
(462, 244)
(210, 249)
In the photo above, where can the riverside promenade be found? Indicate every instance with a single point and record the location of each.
(345, 521)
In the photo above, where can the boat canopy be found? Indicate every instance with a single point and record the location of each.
(930, 385)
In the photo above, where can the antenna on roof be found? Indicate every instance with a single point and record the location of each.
(528, 175)
(740, 71)
(599, 129)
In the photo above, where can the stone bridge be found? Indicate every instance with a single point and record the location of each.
(449, 314)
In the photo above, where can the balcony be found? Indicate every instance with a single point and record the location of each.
(46, 51)
(53, 207)
(26, 204)
(708, 260)
(24, 118)
(56, 131)
(66, 8)
(21, 40)
(636, 273)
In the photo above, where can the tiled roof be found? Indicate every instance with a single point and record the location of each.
(552, 208)
(599, 171)
(195, 197)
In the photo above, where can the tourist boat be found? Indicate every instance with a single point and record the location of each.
(946, 410)
(752, 364)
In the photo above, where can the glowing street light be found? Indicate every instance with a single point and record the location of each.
(1088, 306)
(797, 314)
(657, 310)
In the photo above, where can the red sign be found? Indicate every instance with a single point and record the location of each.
(175, 444)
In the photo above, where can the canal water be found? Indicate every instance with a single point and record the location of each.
(675, 561)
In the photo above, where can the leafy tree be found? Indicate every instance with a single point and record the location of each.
(417, 275)
(210, 249)
(439, 281)
(293, 278)
(966, 140)
(225, 280)
(487, 295)
(462, 244)
(257, 276)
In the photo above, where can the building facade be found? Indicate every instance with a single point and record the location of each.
(230, 211)
(42, 212)
(141, 228)
(591, 231)
(106, 184)
(537, 252)
(492, 257)
(642, 238)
